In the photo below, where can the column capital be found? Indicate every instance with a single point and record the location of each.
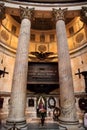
(83, 14)
(26, 12)
(59, 14)
(2, 11)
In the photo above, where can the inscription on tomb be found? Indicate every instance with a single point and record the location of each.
(43, 73)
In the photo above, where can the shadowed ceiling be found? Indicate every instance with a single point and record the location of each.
(43, 20)
(42, 23)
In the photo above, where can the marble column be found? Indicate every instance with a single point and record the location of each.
(2, 12)
(83, 14)
(19, 83)
(83, 18)
(67, 99)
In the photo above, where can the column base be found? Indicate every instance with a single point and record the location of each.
(68, 122)
(16, 124)
(69, 125)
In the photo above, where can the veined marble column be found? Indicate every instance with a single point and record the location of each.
(18, 92)
(67, 99)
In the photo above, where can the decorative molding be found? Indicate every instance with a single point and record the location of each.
(7, 50)
(56, 113)
(79, 37)
(6, 94)
(26, 12)
(42, 48)
(4, 35)
(59, 14)
(51, 102)
(79, 51)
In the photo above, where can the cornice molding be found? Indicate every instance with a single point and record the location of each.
(43, 6)
(7, 50)
(48, 2)
(79, 51)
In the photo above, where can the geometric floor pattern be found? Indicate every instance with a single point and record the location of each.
(35, 124)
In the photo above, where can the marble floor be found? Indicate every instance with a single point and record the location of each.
(46, 126)
(35, 124)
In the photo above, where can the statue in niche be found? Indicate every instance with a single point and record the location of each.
(41, 109)
(41, 103)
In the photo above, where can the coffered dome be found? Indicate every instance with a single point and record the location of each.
(43, 26)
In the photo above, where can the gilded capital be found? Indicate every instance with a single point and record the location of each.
(2, 11)
(26, 12)
(59, 14)
(83, 14)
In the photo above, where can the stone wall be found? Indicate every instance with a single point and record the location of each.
(79, 62)
(6, 61)
(31, 111)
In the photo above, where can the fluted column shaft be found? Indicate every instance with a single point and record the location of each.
(67, 100)
(18, 95)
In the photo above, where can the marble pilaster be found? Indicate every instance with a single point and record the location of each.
(67, 99)
(19, 83)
